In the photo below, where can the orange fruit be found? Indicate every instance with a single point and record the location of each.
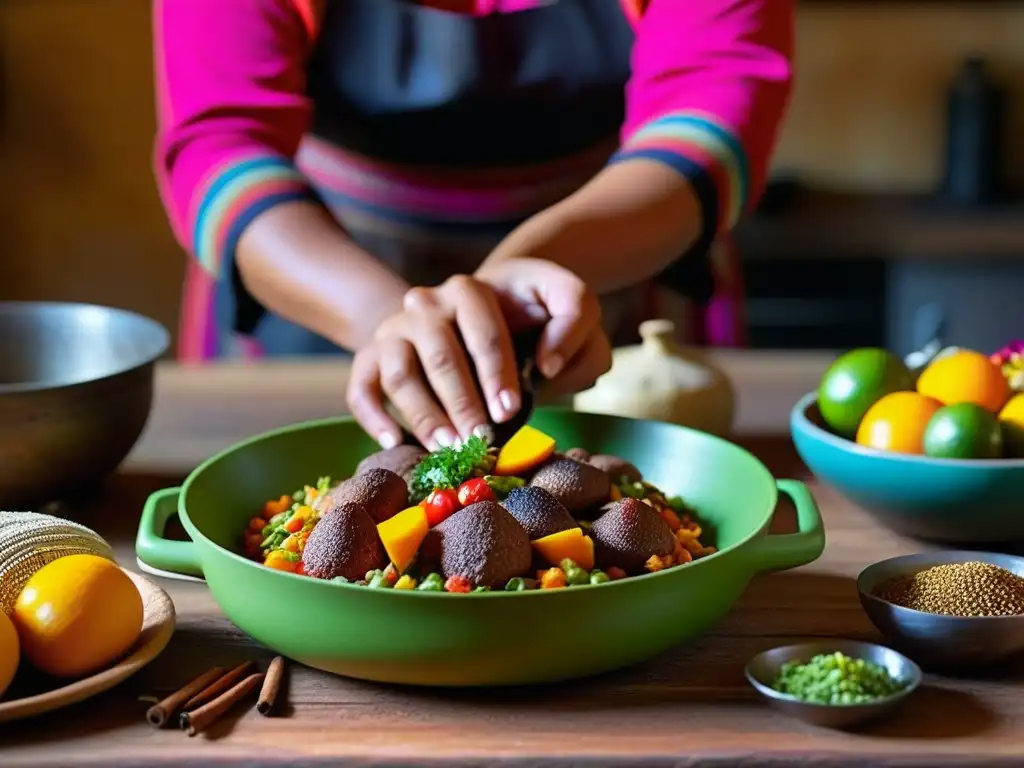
(9, 653)
(77, 615)
(897, 422)
(965, 377)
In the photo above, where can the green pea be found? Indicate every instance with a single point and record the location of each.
(516, 584)
(482, 589)
(432, 583)
(340, 580)
(566, 564)
(299, 495)
(575, 577)
(379, 581)
(598, 577)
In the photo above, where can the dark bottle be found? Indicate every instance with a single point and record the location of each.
(974, 138)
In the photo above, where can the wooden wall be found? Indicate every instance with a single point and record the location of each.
(80, 215)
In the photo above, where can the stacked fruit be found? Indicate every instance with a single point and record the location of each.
(961, 406)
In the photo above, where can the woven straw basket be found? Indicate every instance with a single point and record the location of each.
(29, 540)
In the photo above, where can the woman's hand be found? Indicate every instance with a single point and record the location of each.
(427, 359)
(574, 349)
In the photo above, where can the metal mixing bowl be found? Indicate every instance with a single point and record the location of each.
(76, 388)
(932, 639)
(763, 670)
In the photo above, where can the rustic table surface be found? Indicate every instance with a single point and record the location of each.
(691, 706)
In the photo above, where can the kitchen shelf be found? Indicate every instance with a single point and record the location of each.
(816, 224)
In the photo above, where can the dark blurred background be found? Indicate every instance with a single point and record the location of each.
(891, 210)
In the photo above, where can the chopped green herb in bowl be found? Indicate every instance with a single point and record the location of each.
(836, 679)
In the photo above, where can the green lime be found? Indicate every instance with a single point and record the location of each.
(855, 382)
(963, 431)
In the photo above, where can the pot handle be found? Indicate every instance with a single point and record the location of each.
(790, 550)
(155, 553)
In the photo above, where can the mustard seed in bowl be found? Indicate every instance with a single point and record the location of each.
(958, 589)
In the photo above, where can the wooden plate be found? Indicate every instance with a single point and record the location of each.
(157, 628)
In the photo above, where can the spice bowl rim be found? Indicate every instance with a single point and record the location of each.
(890, 568)
(855, 649)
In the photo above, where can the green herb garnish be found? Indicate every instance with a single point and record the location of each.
(448, 467)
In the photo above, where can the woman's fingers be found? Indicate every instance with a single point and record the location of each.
(575, 313)
(487, 339)
(365, 399)
(402, 380)
(448, 372)
(592, 361)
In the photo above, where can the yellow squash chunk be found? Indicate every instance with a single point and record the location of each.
(525, 450)
(403, 534)
(570, 544)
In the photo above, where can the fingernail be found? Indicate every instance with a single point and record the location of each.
(553, 366)
(387, 440)
(444, 437)
(484, 432)
(507, 400)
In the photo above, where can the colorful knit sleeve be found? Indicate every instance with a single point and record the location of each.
(230, 77)
(709, 88)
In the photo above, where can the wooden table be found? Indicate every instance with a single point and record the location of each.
(690, 707)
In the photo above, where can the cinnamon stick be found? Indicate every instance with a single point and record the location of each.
(219, 686)
(271, 685)
(198, 720)
(162, 711)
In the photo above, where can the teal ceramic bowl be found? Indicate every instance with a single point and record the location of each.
(494, 638)
(944, 500)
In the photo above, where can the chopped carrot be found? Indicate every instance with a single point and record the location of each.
(615, 573)
(669, 516)
(291, 544)
(694, 546)
(553, 578)
(655, 564)
(458, 584)
(300, 569)
(272, 508)
(257, 524)
(282, 561)
(294, 524)
(683, 556)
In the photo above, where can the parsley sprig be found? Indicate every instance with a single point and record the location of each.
(449, 467)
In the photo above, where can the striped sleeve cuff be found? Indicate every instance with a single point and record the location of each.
(708, 155)
(235, 195)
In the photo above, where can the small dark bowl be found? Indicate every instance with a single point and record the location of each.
(763, 670)
(937, 641)
(978, 502)
(76, 389)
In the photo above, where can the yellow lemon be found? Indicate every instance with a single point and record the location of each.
(77, 615)
(1012, 419)
(9, 653)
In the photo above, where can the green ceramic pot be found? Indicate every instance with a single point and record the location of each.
(498, 638)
